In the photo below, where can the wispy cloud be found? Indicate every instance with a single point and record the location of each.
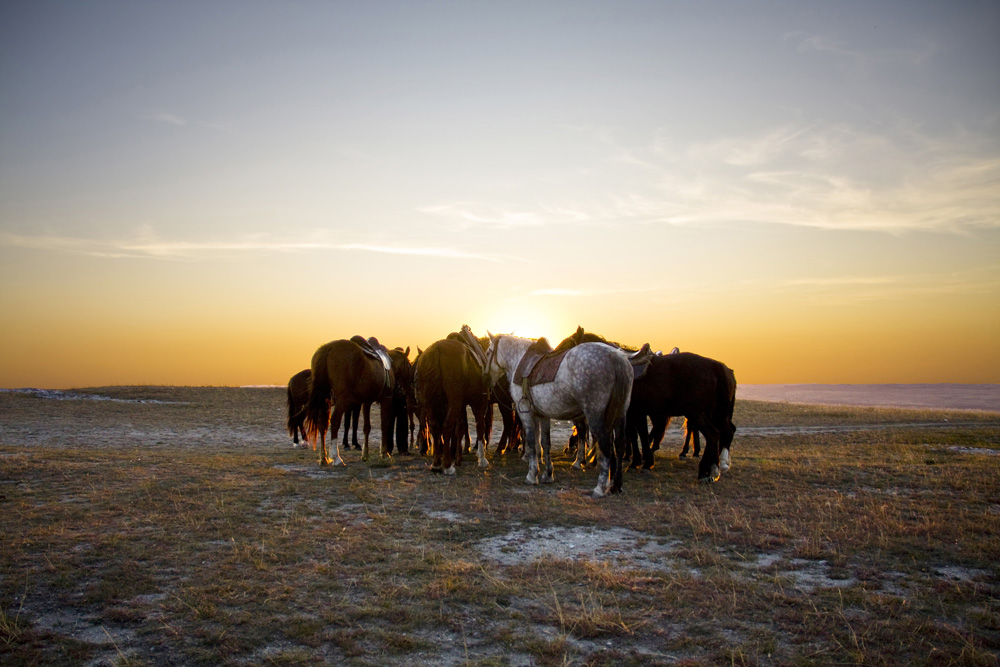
(578, 292)
(825, 175)
(167, 118)
(895, 177)
(144, 244)
(984, 281)
(841, 49)
(485, 215)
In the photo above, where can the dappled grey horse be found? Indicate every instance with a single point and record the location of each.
(593, 381)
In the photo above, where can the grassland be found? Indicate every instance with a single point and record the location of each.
(185, 530)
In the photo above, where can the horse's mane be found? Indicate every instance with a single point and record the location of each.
(581, 336)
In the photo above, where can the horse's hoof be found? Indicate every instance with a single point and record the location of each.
(683, 456)
(531, 479)
(724, 462)
(598, 492)
(547, 479)
(450, 471)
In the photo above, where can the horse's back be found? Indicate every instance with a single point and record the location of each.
(593, 376)
(298, 387)
(450, 363)
(686, 383)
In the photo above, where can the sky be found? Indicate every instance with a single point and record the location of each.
(203, 193)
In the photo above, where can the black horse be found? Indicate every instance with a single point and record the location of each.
(686, 385)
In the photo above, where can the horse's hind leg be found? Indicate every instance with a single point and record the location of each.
(617, 449)
(545, 427)
(530, 446)
(708, 468)
(642, 458)
(356, 417)
(483, 412)
(366, 410)
(604, 465)
(338, 412)
(580, 427)
(725, 441)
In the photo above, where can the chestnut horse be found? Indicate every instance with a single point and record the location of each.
(343, 373)
(448, 378)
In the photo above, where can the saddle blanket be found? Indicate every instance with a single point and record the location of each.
(538, 369)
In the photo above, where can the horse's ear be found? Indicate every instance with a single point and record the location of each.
(490, 336)
(407, 352)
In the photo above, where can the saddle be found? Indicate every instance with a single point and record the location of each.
(375, 350)
(641, 360)
(539, 364)
(466, 337)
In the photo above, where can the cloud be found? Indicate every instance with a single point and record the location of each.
(556, 291)
(839, 49)
(984, 281)
(575, 292)
(145, 245)
(894, 179)
(485, 215)
(895, 176)
(166, 117)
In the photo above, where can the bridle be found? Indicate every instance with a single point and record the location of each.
(491, 359)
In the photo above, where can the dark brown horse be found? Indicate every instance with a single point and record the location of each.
(297, 400)
(686, 385)
(448, 378)
(344, 373)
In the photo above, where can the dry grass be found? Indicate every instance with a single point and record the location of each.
(190, 533)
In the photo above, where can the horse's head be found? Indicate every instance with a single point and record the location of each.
(402, 370)
(492, 370)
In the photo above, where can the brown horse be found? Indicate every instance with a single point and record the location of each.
(298, 401)
(298, 398)
(449, 378)
(344, 373)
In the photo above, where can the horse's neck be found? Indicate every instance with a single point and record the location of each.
(512, 353)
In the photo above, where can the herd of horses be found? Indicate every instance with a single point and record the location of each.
(607, 390)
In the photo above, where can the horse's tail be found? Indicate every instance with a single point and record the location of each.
(318, 407)
(729, 399)
(621, 393)
(292, 422)
(430, 382)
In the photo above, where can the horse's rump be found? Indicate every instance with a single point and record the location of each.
(297, 400)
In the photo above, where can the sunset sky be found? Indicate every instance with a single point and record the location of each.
(205, 192)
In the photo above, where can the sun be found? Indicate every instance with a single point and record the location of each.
(526, 319)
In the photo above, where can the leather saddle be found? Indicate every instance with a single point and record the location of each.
(539, 364)
(466, 337)
(375, 350)
(641, 360)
